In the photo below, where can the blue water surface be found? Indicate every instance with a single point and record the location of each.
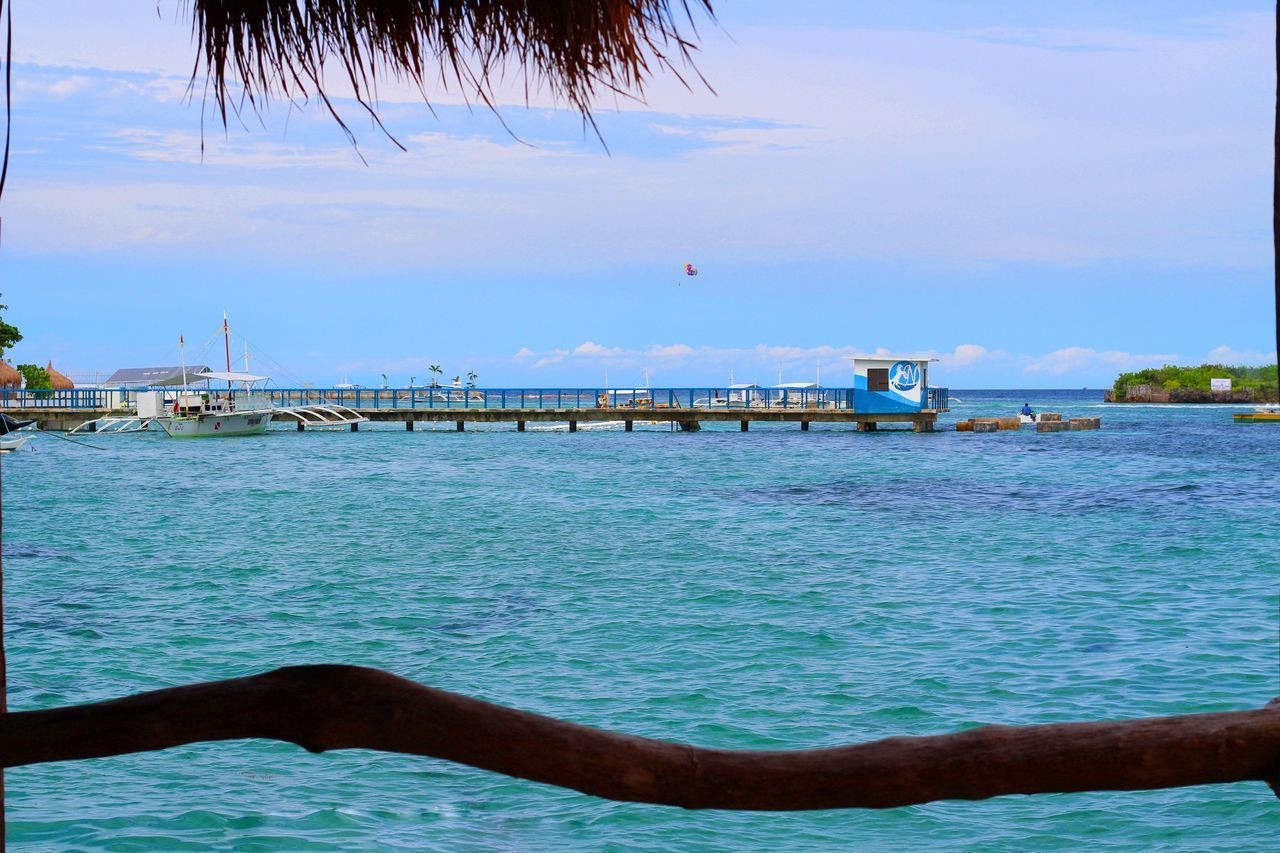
(774, 589)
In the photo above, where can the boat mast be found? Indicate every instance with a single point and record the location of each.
(226, 337)
(182, 359)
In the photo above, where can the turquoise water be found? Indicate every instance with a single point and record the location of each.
(776, 589)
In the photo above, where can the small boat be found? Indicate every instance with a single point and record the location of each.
(1263, 414)
(794, 395)
(740, 396)
(13, 434)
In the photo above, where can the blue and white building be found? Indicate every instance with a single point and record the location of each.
(894, 385)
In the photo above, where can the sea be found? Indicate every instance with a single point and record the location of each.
(776, 589)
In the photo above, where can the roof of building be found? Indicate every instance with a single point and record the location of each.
(154, 375)
(59, 381)
(9, 376)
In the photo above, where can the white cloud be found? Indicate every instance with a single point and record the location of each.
(1080, 359)
(968, 355)
(1231, 356)
(592, 349)
(914, 145)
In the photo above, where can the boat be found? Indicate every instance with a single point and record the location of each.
(794, 395)
(1269, 413)
(743, 395)
(13, 434)
(210, 412)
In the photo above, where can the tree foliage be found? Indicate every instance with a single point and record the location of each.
(9, 334)
(37, 377)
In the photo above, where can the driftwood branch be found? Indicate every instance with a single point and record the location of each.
(342, 707)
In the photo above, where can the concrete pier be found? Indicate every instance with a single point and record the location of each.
(688, 419)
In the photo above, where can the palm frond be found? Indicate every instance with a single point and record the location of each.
(250, 51)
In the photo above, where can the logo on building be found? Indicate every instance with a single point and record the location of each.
(904, 375)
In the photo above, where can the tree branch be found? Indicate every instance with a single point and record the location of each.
(344, 707)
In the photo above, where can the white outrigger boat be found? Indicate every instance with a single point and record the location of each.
(211, 413)
(743, 395)
(208, 413)
(13, 433)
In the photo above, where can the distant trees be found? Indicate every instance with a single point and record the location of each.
(471, 378)
(435, 370)
(1173, 378)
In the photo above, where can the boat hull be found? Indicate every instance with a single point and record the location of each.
(10, 443)
(211, 426)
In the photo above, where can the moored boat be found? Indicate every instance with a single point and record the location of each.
(1260, 415)
(210, 412)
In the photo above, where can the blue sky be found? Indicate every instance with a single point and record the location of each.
(1041, 195)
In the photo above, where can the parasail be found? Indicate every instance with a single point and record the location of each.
(690, 269)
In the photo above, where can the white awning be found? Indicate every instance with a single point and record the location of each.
(797, 385)
(229, 377)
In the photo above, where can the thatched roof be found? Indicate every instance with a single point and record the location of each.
(577, 49)
(9, 377)
(58, 380)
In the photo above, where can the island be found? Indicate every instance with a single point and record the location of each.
(1172, 384)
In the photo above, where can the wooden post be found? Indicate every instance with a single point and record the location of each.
(866, 426)
(300, 426)
(355, 427)
(519, 426)
(408, 424)
(573, 426)
(743, 426)
(629, 425)
(804, 426)
(461, 426)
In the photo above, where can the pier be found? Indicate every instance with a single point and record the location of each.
(686, 408)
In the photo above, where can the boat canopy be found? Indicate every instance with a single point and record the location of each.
(223, 376)
(797, 385)
(743, 385)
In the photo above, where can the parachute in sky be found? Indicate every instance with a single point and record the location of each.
(690, 269)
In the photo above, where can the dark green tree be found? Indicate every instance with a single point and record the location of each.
(9, 335)
(37, 377)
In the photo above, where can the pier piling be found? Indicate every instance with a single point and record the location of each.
(746, 425)
(520, 426)
(804, 426)
(300, 427)
(355, 427)
(462, 425)
(573, 426)
(408, 424)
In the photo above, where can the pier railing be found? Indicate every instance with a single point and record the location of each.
(449, 397)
